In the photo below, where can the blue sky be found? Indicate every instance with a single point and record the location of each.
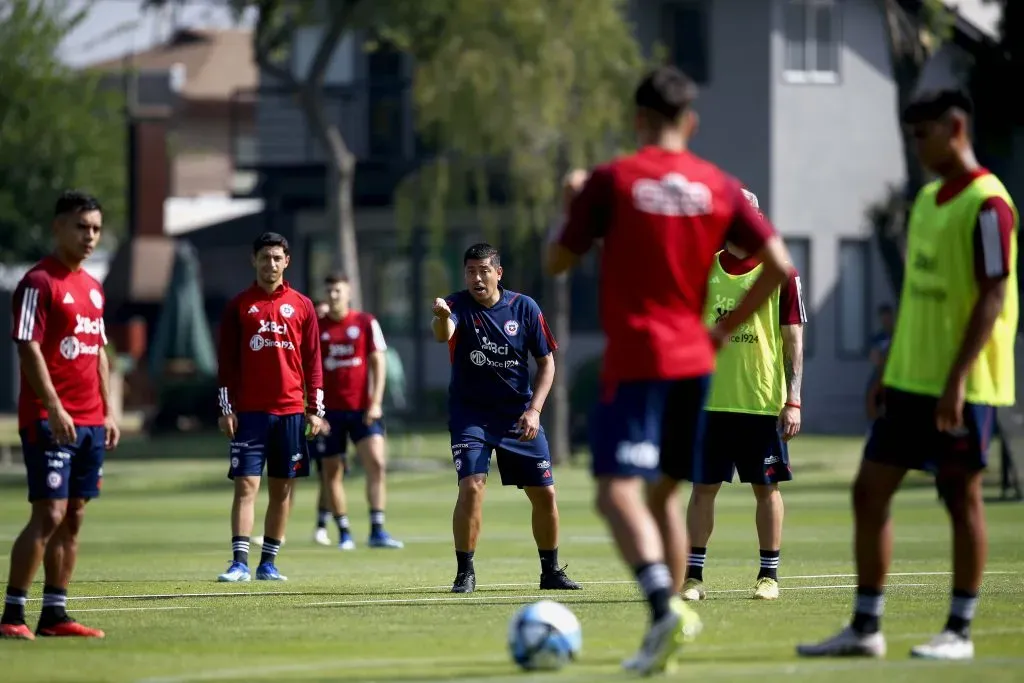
(115, 27)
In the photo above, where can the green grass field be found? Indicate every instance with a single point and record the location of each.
(155, 542)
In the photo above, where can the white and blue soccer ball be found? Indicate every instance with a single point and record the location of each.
(544, 636)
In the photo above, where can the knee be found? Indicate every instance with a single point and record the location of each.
(867, 503)
(246, 488)
(49, 518)
(766, 493)
(471, 489)
(704, 494)
(73, 518)
(279, 492)
(542, 497)
(958, 495)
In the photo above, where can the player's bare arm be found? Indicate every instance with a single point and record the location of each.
(228, 369)
(793, 365)
(378, 372)
(991, 296)
(33, 365)
(442, 324)
(113, 432)
(529, 422)
(777, 268)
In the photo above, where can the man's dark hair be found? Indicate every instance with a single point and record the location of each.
(482, 252)
(270, 239)
(335, 278)
(666, 91)
(931, 105)
(75, 201)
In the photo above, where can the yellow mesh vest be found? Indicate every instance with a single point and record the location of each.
(749, 376)
(939, 293)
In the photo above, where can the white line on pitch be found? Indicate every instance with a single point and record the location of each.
(134, 609)
(451, 598)
(413, 589)
(168, 596)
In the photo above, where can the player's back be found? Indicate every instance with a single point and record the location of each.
(670, 213)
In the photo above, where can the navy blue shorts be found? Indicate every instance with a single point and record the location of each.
(345, 425)
(61, 472)
(520, 463)
(906, 436)
(647, 428)
(748, 445)
(279, 441)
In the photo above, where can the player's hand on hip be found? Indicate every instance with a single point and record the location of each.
(529, 424)
(314, 425)
(949, 414)
(441, 309)
(789, 422)
(113, 433)
(372, 414)
(62, 426)
(228, 424)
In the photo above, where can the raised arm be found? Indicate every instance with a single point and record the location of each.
(588, 212)
(444, 321)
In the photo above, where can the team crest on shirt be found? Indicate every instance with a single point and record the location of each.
(511, 328)
(352, 332)
(326, 336)
(287, 310)
(96, 298)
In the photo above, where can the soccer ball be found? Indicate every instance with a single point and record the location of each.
(544, 636)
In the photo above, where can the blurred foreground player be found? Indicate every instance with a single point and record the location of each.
(271, 397)
(662, 214)
(949, 367)
(63, 415)
(753, 410)
(491, 333)
(353, 349)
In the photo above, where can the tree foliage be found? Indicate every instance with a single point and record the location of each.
(522, 88)
(58, 129)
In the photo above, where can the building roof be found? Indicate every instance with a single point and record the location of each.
(216, 63)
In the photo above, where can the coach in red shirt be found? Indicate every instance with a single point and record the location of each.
(271, 397)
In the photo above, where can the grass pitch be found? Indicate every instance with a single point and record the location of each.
(155, 542)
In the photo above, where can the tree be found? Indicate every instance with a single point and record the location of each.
(522, 90)
(59, 130)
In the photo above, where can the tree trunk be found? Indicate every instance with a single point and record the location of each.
(340, 218)
(341, 170)
(559, 411)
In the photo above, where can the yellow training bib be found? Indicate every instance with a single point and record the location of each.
(940, 290)
(749, 375)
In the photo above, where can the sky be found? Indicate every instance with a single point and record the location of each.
(116, 27)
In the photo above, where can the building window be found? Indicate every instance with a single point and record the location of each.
(800, 252)
(812, 39)
(854, 298)
(684, 26)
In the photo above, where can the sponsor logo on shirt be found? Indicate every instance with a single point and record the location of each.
(480, 359)
(672, 195)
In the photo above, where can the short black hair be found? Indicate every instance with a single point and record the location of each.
(931, 105)
(666, 91)
(75, 201)
(335, 277)
(270, 239)
(482, 252)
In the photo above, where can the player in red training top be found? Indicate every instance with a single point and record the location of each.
(271, 397)
(62, 415)
(354, 375)
(662, 213)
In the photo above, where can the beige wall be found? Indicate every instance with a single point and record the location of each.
(201, 156)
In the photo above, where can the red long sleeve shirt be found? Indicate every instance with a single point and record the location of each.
(269, 355)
